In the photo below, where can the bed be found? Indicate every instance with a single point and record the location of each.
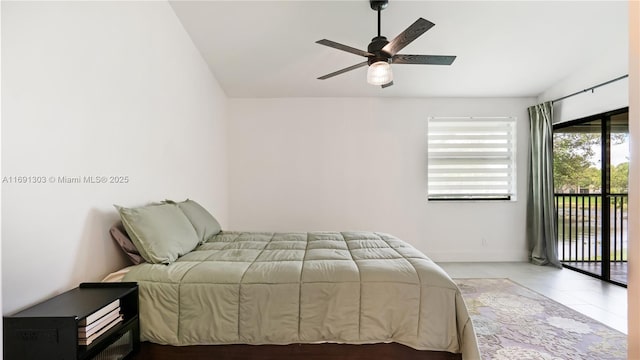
(309, 293)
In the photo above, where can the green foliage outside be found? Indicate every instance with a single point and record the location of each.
(573, 169)
(571, 154)
(620, 178)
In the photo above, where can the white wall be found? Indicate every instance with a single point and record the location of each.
(301, 164)
(612, 63)
(634, 182)
(606, 98)
(98, 89)
(1, 330)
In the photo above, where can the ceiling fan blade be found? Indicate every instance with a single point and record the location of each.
(423, 59)
(387, 84)
(404, 38)
(352, 67)
(346, 48)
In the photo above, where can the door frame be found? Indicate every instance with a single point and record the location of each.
(605, 192)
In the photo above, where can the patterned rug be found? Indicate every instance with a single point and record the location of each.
(515, 323)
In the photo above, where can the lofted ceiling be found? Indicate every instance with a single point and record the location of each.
(266, 49)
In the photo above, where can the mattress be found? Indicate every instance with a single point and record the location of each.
(283, 288)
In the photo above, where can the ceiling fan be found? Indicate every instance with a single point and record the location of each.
(381, 53)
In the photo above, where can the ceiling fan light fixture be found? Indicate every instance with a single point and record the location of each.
(379, 73)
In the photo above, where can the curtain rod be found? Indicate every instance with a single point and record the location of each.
(590, 89)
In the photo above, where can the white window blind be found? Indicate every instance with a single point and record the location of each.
(471, 158)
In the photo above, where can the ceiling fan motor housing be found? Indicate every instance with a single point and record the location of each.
(375, 47)
(378, 4)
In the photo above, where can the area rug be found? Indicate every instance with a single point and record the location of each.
(515, 323)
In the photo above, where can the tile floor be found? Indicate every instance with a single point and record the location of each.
(599, 300)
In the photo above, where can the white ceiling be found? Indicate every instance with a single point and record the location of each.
(504, 48)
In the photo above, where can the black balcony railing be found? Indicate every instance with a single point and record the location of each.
(580, 232)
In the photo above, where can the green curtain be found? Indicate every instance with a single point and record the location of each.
(542, 228)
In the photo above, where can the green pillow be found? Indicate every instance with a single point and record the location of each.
(161, 233)
(203, 222)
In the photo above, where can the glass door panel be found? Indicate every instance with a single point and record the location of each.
(591, 168)
(578, 195)
(618, 172)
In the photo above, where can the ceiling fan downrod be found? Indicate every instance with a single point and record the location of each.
(378, 42)
(378, 5)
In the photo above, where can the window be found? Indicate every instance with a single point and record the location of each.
(471, 158)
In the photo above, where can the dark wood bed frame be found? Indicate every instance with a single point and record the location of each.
(392, 351)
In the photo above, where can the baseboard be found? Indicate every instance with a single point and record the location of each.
(499, 256)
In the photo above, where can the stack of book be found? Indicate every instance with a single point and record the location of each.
(97, 323)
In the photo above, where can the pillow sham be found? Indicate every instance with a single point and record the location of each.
(203, 222)
(119, 235)
(161, 233)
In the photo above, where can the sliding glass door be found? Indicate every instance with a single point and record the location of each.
(591, 166)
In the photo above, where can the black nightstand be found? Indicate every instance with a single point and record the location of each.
(49, 330)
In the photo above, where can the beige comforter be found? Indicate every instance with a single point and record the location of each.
(282, 288)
